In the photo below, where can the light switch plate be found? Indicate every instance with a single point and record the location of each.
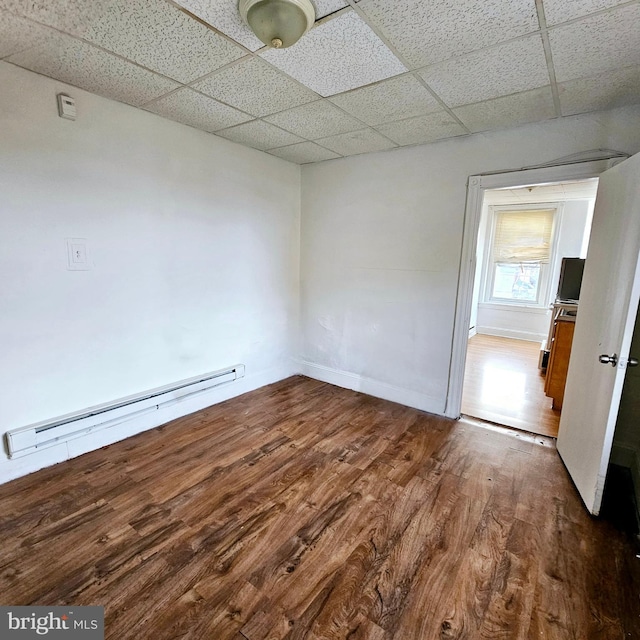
(77, 257)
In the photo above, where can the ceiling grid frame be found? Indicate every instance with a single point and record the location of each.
(610, 83)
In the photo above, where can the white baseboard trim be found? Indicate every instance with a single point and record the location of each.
(629, 457)
(15, 468)
(472, 332)
(371, 387)
(512, 333)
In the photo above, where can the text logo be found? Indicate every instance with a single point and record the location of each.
(53, 623)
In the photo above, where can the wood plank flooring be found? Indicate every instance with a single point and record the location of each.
(502, 384)
(305, 511)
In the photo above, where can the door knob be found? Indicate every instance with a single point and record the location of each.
(633, 362)
(612, 360)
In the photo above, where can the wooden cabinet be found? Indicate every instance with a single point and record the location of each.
(559, 360)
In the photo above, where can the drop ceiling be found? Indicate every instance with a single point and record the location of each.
(371, 75)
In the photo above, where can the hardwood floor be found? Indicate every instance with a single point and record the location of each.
(502, 384)
(305, 511)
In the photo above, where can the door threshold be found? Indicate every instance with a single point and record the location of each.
(514, 432)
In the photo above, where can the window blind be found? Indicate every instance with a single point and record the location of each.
(523, 236)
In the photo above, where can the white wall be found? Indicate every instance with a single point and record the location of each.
(381, 242)
(531, 323)
(193, 242)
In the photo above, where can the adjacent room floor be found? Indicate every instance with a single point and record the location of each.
(306, 511)
(503, 384)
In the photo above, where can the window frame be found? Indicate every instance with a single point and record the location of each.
(543, 297)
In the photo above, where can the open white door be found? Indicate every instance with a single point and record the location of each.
(604, 326)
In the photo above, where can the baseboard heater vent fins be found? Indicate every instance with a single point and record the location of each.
(26, 440)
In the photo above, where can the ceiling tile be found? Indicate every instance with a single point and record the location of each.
(604, 91)
(428, 32)
(304, 153)
(18, 34)
(596, 44)
(82, 65)
(394, 99)
(192, 108)
(224, 16)
(502, 70)
(423, 129)
(255, 87)
(325, 7)
(315, 120)
(337, 55)
(17, 6)
(508, 111)
(556, 11)
(75, 17)
(160, 37)
(354, 142)
(260, 135)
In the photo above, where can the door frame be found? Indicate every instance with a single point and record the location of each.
(476, 186)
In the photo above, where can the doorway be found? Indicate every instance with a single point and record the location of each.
(524, 234)
(608, 306)
(580, 167)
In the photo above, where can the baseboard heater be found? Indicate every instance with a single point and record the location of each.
(26, 440)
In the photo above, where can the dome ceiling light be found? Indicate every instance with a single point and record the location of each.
(278, 23)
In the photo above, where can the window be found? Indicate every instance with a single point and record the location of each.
(519, 255)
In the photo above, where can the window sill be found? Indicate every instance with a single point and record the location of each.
(515, 306)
